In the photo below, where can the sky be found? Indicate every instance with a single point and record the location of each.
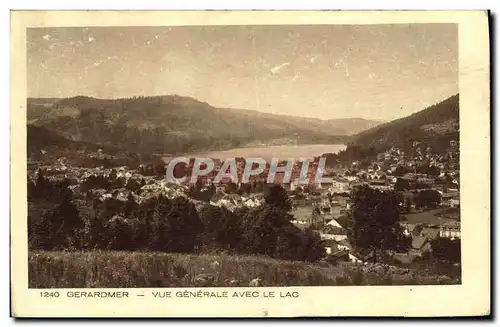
(324, 71)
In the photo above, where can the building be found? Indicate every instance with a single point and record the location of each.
(419, 245)
(335, 233)
(450, 230)
(302, 216)
(429, 232)
(410, 229)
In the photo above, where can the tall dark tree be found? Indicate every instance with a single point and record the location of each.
(95, 232)
(131, 206)
(231, 188)
(429, 199)
(222, 228)
(401, 184)
(260, 230)
(275, 195)
(313, 247)
(58, 229)
(120, 233)
(375, 217)
(400, 171)
(182, 227)
(446, 249)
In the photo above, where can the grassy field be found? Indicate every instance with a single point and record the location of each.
(107, 269)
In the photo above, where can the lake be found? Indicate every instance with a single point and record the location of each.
(280, 151)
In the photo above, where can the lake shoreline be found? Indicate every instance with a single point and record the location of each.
(267, 152)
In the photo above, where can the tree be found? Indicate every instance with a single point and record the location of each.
(222, 228)
(40, 180)
(95, 232)
(60, 228)
(231, 188)
(245, 188)
(260, 230)
(133, 185)
(31, 188)
(345, 221)
(401, 184)
(120, 233)
(427, 199)
(316, 219)
(290, 244)
(313, 247)
(130, 206)
(275, 195)
(375, 217)
(182, 227)
(400, 171)
(446, 249)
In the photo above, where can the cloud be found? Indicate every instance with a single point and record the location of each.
(96, 63)
(277, 68)
(46, 37)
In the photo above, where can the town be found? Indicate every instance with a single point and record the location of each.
(427, 182)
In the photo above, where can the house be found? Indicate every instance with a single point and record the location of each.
(418, 242)
(355, 259)
(230, 206)
(334, 223)
(330, 246)
(252, 202)
(120, 198)
(410, 176)
(216, 199)
(330, 232)
(341, 255)
(325, 184)
(410, 229)
(302, 216)
(419, 246)
(339, 186)
(329, 213)
(426, 180)
(344, 245)
(352, 178)
(450, 230)
(454, 203)
(150, 187)
(429, 232)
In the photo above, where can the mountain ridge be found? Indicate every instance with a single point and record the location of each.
(178, 124)
(435, 126)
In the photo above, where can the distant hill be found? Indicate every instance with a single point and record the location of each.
(340, 126)
(435, 126)
(46, 146)
(175, 124)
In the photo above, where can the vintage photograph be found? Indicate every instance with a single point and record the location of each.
(237, 156)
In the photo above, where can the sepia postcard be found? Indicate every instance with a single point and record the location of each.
(250, 163)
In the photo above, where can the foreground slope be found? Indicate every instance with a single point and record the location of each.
(153, 269)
